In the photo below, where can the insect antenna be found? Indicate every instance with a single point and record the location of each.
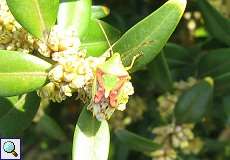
(106, 37)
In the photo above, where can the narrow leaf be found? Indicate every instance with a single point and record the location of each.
(226, 107)
(91, 138)
(50, 127)
(7, 103)
(180, 60)
(36, 16)
(75, 14)
(216, 63)
(193, 104)
(136, 142)
(18, 118)
(216, 24)
(94, 40)
(99, 12)
(176, 55)
(21, 73)
(214, 145)
(160, 73)
(150, 35)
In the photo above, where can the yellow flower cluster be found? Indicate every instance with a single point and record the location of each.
(59, 41)
(174, 136)
(164, 154)
(132, 114)
(178, 137)
(184, 85)
(73, 73)
(12, 36)
(167, 102)
(194, 147)
(192, 20)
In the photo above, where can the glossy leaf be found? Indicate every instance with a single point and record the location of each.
(7, 103)
(181, 60)
(215, 146)
(193, 103)
(21, 73)
(50, 127)
(76, 14)
(160, 73)
(99, 12)
(226, 104)
(176, 55)
(20, 116)
(36, 16)
(91, 138)
(216, 24)
(64, 148)
(94, 40)
(150, 35)
(216, 63)
(136, 142)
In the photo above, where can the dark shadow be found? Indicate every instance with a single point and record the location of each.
(88, 124)
(5, 105)
(15, 121)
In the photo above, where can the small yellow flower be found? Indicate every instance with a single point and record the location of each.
(12, 36)
(56, 74)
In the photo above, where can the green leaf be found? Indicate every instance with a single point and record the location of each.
(21, 73)
(150, 35)
(91, 138)
(160, 73)
(64, 148)
(216, 63)
(50, 127)
(136, 142)
(75, 14)
(176, 55)
(214, 145)
(200, 32)
(36, 16)
(94, 40)
(193, 104)
(216, 24)
(20, 116)
(180, 60)
(7, 103)
(226, 107)
(99, 12)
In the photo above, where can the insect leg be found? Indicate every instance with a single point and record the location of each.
(133, 60)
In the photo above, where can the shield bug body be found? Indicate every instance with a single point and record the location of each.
(110, 77)
(111, 87)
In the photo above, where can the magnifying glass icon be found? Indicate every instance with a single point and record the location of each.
(9, 147)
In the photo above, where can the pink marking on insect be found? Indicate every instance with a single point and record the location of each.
(101, 90)
(113, 98)
(99, 95)
(113, 93)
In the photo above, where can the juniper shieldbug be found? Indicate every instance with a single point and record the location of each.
(109, 93)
